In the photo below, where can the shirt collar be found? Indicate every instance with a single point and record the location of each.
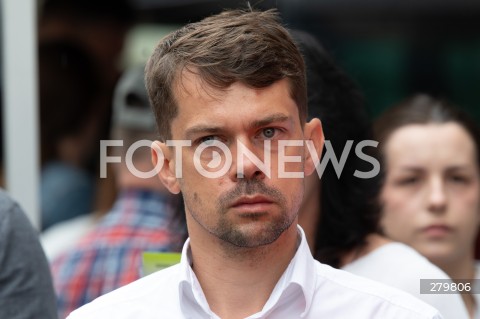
(302, 268)
(191, 296)
(299, 274)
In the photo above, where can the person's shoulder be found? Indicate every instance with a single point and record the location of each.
(405, 255)
(142, 298)
(395, 262)
(62, 236)
(7, 206)
(398, 249)
(14, 220)
(372, 298)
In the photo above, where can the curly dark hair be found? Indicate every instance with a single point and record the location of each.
(348, 209)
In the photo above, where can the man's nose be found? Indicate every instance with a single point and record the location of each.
(250, 162)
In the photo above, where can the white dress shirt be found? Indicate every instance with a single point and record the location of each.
(307, 289)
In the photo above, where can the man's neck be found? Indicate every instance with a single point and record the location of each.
(309, 212)
(237, 282)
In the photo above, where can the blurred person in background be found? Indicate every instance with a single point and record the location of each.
(431, 195)
(26, 290)
(145, 217)
(100, 27)
(69, 125)
(342, 221)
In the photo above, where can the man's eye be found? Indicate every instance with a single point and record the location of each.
(208, 139)
(269, 132)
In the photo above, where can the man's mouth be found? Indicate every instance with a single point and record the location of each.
(252, 204)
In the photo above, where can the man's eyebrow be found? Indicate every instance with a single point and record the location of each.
(202, 128)
(212, 129)
(273, 118)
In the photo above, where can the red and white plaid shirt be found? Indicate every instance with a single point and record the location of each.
(110, 256)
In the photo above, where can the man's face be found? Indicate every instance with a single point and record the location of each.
(248, 209)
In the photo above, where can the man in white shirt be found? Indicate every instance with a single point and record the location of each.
(229, 96)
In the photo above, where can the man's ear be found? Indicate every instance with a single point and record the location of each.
(314, 140)
(163, 157)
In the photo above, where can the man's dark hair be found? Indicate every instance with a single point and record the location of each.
(250, 47)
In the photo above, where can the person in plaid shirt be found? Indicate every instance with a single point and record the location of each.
(145, 216)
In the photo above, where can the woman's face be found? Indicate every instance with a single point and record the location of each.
(431, 196)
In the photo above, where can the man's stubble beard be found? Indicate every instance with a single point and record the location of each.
(249, 235)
